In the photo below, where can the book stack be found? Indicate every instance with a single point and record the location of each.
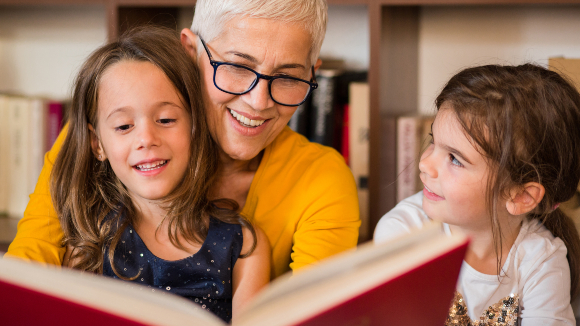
(28, 128)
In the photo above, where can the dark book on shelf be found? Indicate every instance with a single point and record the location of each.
(328, 104)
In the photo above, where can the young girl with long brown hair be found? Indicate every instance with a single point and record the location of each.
(505, 153)
(131, 182)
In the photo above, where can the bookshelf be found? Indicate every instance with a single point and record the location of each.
(394, 31)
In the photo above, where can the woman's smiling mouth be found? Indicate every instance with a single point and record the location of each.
(248, 123)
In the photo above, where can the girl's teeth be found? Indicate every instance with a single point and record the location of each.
(245, 121)
(150, 166)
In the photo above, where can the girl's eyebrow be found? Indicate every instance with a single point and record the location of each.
(127, 108)
(456, 152)
(117, 110)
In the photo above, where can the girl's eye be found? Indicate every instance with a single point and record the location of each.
(123, 128)
(166, 121)
(454, 161)
(431, 141)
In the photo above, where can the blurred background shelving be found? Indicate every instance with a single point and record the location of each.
(410, 48)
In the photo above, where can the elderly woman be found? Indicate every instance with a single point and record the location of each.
(258, 59)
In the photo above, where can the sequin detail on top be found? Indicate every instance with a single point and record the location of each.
(503, 313)
(195, 277)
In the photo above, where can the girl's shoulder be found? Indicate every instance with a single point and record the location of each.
(404, 217)
(535, 240)
(536, 248)
(222, 231)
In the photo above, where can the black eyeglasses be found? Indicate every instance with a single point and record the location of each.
(237, 80)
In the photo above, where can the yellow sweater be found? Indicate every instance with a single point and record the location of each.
(303, 196)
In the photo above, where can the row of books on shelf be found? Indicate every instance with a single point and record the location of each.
(28, 128)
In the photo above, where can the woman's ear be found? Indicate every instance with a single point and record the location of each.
(189, 42)
(96, 145)
(524, 199)
(317, 64)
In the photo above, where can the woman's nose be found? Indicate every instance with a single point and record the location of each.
(427, 164)
(259, 97)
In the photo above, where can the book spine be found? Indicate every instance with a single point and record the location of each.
(37, 141)
(53, 123)
(19, 141)
(407, 156)
(359, 123)
(4, 154)
(322, 128)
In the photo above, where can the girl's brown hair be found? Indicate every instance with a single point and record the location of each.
(85, 190)
(525, 120)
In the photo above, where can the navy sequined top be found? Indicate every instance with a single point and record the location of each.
(204, 278)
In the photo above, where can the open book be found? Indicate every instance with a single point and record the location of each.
(408, 281)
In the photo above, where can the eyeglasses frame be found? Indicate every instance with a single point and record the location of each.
(215, 64)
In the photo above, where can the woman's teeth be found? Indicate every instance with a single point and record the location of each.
(245, 121)
(150, 166)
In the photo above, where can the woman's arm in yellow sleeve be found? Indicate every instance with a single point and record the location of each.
(39, 233)
(331, 222)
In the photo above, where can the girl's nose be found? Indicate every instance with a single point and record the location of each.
(427, 164)
(147, 136)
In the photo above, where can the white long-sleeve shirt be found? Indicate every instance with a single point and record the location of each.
(536, 270)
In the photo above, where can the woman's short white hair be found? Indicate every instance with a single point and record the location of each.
(211, 15)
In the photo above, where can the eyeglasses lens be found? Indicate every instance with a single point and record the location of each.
(237, 79)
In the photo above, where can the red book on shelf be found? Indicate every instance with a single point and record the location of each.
(53, 122)
(408, 281)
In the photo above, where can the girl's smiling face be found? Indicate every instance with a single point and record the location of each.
(143, 129)
(455, 176)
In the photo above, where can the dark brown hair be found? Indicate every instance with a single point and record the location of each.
(525, 120)
(85, 190)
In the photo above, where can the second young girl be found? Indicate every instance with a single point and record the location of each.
(505, 153)
(130, 185)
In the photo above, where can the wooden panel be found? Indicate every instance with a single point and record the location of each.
(375, 22)
(155, 3)
(50, 2)
(393, 74)
(135, 16)
(399, 60)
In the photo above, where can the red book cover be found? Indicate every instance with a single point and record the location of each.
(409, 281)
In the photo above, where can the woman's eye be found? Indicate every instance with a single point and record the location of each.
(454, 161)
(431, 141)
